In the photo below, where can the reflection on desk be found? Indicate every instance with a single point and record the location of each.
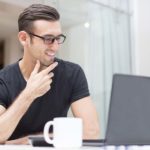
(29, 147)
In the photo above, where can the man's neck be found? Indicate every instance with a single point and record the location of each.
(26, 68)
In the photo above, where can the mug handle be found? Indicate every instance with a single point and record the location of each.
(46, 132)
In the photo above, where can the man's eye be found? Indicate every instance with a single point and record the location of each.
(49, 38)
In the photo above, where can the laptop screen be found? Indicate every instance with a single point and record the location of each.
(129, 112)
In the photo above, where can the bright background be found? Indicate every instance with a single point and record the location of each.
(103, 36)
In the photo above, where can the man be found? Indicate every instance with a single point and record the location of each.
(40, 87)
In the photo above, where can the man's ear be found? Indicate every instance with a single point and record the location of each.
(23, 38)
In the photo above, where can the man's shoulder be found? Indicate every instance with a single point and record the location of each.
(8, 71)
(67, 69)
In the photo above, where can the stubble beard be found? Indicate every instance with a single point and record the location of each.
(48, 63)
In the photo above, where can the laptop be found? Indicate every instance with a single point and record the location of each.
(129, 114)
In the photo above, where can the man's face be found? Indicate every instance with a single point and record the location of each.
(40, 50)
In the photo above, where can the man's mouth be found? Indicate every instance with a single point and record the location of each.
(50, 54)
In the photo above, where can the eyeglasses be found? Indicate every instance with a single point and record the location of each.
(49, 39)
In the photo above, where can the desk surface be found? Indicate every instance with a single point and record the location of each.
(25, 147)
(29, 147)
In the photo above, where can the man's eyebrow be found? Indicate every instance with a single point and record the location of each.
(51, 35)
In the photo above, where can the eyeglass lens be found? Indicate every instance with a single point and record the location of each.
(50, 39)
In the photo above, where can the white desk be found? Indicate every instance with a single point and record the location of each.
(25, 147)
(28, 147)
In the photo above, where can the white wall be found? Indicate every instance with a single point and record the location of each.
(141, 22)
(13, 50)
(75, 45)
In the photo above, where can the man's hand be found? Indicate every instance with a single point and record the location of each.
(40, 82)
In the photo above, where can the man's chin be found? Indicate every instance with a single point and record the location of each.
(46, 64)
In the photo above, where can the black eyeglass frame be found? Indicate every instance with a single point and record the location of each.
(51, 38)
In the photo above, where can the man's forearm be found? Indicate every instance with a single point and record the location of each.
(37, 85)
(20, 141)
(11, 117)
(25, 140)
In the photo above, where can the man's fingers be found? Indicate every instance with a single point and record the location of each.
(51, 74)
(36, 68)
(50, 68)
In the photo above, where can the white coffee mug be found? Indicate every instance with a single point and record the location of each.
(67, 132)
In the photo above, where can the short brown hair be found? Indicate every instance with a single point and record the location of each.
(36, 12)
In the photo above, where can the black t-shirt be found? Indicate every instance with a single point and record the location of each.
(69, 84)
